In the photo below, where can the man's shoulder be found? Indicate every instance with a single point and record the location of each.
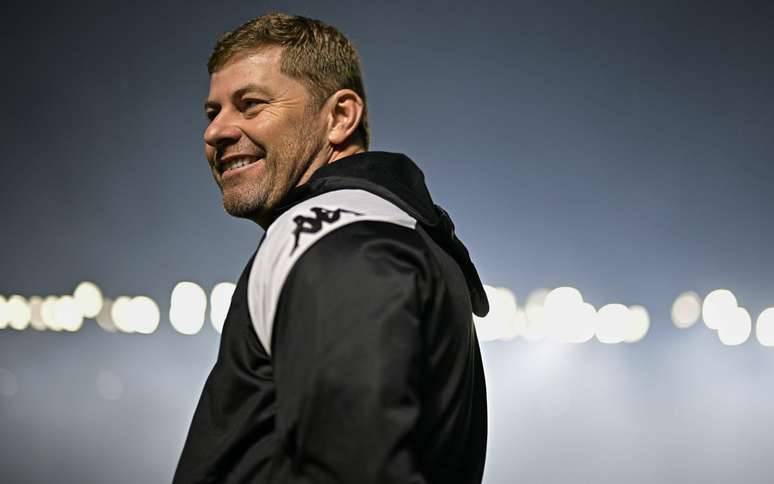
(305, 223)
(322, 234)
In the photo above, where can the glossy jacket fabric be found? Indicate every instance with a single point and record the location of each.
(375, 374)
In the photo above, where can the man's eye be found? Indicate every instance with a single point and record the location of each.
(210, 115)
(251, 103)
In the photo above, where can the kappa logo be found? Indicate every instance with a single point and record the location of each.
(309, 225)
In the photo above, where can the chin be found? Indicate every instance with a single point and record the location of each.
(244, 207)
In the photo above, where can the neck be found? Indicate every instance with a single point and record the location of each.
(348, 151)
(335, 153)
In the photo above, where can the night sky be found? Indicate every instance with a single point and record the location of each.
(623, 148)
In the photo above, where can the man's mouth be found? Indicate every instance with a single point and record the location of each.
(236, 163)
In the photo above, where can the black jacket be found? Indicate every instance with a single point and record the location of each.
(349, 353)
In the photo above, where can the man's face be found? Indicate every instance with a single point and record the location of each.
(264, 134)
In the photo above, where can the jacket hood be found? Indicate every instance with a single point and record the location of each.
(395, 177)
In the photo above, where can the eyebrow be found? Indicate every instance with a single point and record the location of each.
(239, 92)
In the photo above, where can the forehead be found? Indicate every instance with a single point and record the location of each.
(258, 68)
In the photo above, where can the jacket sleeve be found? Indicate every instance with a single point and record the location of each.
(348, 358)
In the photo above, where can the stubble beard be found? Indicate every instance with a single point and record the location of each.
(284, 166)
(247, 200)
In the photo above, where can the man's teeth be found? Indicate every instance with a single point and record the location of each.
(237, 164)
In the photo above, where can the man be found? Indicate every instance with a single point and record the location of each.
(348, 354)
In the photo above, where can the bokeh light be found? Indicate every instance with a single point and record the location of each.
(639, 324)
(187, 307)
(612, 323)
(567, 318)
(18, 312)
(686, 310)
(509, 323)
(535, 304)
(559, 315)
(517, 325)
(719, 308)
(88, 298)
(105, 318)
(220, 300)
(144, 314)
(67, 313)
(36, 318)
(587, 324)
(48, 313)
(121, 314)
(764, 327)
(501, 322)
(534, 310)
(737, 329)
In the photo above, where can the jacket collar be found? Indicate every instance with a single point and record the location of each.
(394, 177)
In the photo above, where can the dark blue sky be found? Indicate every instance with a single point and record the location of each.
(623, 148)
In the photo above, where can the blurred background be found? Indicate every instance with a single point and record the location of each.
(618, 151)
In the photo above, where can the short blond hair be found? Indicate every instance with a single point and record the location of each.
(313, 52)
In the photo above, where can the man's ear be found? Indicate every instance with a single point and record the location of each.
(345, 112)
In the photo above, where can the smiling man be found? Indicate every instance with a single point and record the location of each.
(348, 354)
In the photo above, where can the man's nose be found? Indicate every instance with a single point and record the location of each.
(221, 132)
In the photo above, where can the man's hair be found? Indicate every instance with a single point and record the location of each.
(315, 53)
